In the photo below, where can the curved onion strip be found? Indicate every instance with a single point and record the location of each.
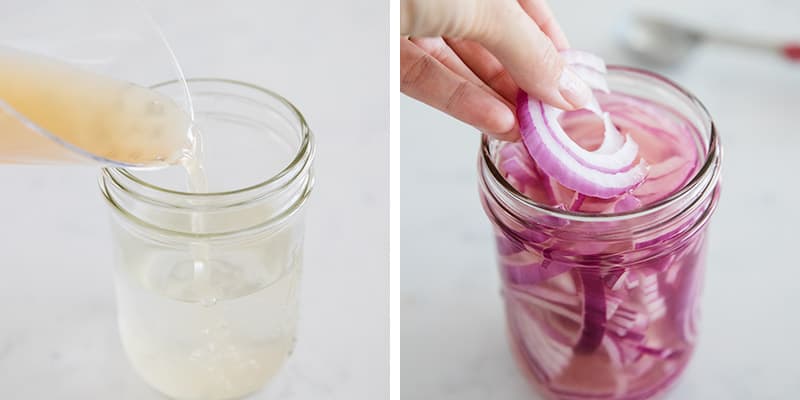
(666, 167)
(506, 246)
(547, 355)
(589, 60)
(606, 172)
(532, 274)
(546, 300)
(594, 312)
(612, 138)
(622, 158)
(651, 296)
(556, 162)
(628, 202)
(594, 78)
(519, 173)
(670, 182)
(612, 304)
(523, 174)
(613, 351)
(579, 198)
(615, 279)
(628, 323)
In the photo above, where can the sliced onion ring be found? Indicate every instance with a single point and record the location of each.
(594, 78)
(585, 59)
(607, 172)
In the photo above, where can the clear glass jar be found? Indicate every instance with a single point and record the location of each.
(606, 306)
(207, 283)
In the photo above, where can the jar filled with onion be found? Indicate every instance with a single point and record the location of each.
(600, 218)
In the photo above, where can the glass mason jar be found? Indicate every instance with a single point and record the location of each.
(207, 283)
(606, 306)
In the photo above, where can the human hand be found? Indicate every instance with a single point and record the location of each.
(469, 58)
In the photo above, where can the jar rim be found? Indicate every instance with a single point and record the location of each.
(711, 166)
(297, 171)
(303, 154)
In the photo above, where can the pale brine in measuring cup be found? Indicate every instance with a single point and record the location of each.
(52, 112)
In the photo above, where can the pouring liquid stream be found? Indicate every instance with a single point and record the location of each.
(197, 181)
(192, 162)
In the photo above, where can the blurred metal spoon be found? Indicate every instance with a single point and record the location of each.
(660, 41)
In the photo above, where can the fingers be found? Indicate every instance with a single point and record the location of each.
(428, 80)
(534, 63)
(540, 11)
(440, 49)
(458, 18)
(486, 66)
(511, 35)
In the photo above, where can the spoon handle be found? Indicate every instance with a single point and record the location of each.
(791, 51)
(787, 50)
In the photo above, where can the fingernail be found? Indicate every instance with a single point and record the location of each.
(507, 120)
(573, 89)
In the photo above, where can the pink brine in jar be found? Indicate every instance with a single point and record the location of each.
(602, 293)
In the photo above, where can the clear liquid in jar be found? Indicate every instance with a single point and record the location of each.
(209, 323)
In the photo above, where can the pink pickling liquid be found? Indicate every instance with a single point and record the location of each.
(603, 319)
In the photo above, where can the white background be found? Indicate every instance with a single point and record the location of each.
(452, 329)
(58, 337)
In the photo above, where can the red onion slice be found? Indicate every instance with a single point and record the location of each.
(653, 300)
(609, 171)
(546, 300)
(627, 203)
(610, 157)
(532, 274)
(523, 174)
(628, 323)
(582, 58)
(666, 177)
(594, 312)
(594, 78)
(546, 355)
(615, 279)
(612, 138)
(555, 161)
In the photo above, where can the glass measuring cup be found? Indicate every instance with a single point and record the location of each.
(74, 97)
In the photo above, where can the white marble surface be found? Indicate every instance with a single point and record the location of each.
(453, 338)
(58, 337)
